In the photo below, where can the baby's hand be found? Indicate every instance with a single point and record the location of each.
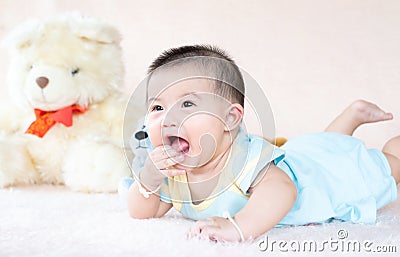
(160, 165)
(215, 229)
(163, 158)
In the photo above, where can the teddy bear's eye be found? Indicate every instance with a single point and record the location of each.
(75, 71)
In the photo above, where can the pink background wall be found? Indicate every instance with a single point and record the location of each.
(312, 58)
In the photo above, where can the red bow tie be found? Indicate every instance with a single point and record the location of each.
(46, 120)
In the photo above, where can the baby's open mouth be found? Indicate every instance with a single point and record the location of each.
(179, 144)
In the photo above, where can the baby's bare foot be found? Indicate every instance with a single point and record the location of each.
(366, 112)
(358, 113)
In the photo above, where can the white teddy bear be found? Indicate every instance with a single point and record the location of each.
(65, 73)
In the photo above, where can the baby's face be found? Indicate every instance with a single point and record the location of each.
(190, 118)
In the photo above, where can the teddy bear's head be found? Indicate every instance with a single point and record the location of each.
(63, 61)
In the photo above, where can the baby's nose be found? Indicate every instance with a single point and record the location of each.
(172, 119)
(169, 122)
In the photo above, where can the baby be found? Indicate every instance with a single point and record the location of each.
(237, 185)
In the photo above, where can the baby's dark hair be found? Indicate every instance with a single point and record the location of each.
(212, 61)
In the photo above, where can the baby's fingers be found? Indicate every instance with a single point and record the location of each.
(163, 152)
(166, 163)
(172, 172)
(198, 227)
(207, 232)
(211, 233)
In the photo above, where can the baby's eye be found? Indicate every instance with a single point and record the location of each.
(187, 104)
(156, 108)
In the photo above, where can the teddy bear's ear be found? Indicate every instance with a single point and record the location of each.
(22, 36)
(92, 29)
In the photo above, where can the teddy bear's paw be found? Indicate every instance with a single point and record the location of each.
(94, 167)
(16, 167)
(12, 118)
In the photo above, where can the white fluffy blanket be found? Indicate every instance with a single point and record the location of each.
(53, 221)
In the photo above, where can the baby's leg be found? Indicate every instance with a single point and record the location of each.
(358, 113)
(392, 152)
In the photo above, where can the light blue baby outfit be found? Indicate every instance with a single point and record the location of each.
(335, 176)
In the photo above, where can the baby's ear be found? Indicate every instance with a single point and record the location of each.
(234, 116)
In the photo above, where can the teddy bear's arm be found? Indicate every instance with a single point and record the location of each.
(13, 119)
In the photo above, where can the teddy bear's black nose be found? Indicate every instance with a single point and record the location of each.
(140, 135)
(42, 82)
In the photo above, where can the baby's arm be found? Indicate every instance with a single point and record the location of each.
(271, 199)
(140, 207)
